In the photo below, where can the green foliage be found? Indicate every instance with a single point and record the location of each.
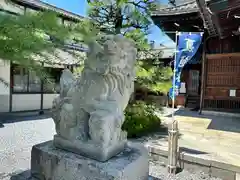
(139, 38)
(133, 20)
(23, 36)
(78, 70)
(24, 39)
(116, 15)
(156, 78)
(140, 119)
(32, 39)
(85, 31)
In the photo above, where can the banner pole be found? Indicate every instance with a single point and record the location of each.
(174, 74)
(173, 126)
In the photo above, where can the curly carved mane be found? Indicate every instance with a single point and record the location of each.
(113, 60)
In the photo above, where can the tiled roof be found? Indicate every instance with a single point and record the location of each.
(183, 8)
(63, 57)
(46, 6)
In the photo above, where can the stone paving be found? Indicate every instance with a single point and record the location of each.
(217, 136)
(18, 135)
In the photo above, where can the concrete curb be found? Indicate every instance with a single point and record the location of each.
(203, 162)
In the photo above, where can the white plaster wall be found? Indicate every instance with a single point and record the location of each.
(48, 99)
(26, 102)
(4, 90)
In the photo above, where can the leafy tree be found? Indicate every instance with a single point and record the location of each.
(32, 39)
(24, 39)
(154, 78)
(129, 17)
(132, 18)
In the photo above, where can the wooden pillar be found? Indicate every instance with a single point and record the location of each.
(204, 74)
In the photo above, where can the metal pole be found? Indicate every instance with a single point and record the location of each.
(173, 127)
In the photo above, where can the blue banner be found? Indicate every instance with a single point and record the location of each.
(187, 46)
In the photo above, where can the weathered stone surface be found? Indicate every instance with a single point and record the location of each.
(89, 149)
(90, 110)
(51, 163)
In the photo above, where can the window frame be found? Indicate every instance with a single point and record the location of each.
(42, 83)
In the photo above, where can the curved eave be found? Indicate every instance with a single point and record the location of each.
(180, 18)
(175, 13)
(184, 8)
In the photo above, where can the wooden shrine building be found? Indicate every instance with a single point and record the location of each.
(212, 81)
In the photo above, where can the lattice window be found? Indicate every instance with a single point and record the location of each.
(226, 105)
(223, 72)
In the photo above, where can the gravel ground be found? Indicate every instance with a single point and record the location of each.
(160, 173)
(20, 134)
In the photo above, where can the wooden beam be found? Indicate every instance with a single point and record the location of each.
(217, 25)
(214, 56)
(230, 8)
(203, 76)
(207, 17)
(221, 98)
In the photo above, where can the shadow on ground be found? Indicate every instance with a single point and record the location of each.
(161, 133)
(220, 123)
(7, 118)
(191, 151)
(225, 124)
(18, 175)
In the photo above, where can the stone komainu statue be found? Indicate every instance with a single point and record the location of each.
(89, 112)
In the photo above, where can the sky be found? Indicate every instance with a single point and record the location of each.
(80, 7)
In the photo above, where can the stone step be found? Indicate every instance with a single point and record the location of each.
(198, 161)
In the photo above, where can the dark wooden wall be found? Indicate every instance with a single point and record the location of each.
(185, 76)
(223, 74)
(227, 45)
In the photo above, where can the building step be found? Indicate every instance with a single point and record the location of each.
(193, 101)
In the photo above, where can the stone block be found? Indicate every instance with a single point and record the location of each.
(89, 149)
(51, 163)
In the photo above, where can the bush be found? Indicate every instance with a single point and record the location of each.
(140, 119)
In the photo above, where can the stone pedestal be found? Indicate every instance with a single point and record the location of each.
(51, 163)
(89, 149)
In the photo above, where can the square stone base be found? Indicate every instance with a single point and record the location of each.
(51, 163)
(89, 149)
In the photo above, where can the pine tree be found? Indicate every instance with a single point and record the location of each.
(132, 18)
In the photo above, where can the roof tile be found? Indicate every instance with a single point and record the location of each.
(184, 8)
